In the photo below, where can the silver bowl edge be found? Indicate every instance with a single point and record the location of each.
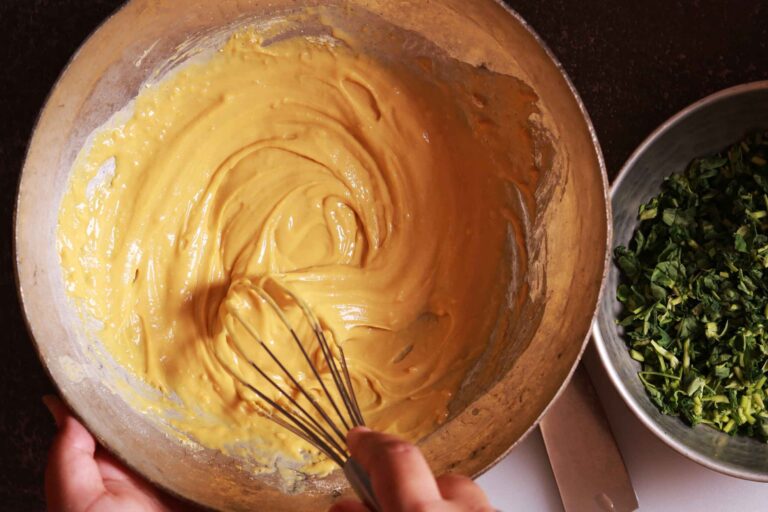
(608, 299)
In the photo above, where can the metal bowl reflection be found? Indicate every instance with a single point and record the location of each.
(518, 377)
(703, 128)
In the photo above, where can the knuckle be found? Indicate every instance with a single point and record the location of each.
(464, 493)
(456, 480)
(397, 448)
(457, 485)
(428, 507)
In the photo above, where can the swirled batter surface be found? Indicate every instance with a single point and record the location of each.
(361, 184)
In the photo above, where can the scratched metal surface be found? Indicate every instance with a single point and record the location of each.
(634, 64)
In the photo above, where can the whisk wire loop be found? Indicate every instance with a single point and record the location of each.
(339, 372)
(354, 405)
(323, 432)
(328, 439)
(314, 325)
(310, 430)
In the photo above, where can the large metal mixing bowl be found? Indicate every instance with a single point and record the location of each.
(517, 377)
(705, 127)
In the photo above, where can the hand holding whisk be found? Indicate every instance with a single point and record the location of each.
(402, 475)
(324, 418)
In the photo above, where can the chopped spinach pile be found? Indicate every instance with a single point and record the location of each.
(695, 291)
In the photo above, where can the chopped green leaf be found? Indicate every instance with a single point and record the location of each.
(695, 291)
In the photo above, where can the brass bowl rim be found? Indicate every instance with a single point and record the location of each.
(596, 147)
(609, 229)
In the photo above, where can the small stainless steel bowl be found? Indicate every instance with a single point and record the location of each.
(703, 128)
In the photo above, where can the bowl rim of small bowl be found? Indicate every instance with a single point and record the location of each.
(600, 344)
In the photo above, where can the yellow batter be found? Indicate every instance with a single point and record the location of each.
(361, 185)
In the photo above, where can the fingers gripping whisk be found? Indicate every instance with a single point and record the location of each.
(321, 416)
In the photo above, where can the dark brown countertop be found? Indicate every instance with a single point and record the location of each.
(634, 64)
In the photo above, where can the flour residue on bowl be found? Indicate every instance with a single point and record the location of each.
(388, 193)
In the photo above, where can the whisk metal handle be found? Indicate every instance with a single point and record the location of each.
(361, 484)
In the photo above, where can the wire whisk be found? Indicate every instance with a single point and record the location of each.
(327, 431)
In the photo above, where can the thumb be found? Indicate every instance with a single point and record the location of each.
(72, 478)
